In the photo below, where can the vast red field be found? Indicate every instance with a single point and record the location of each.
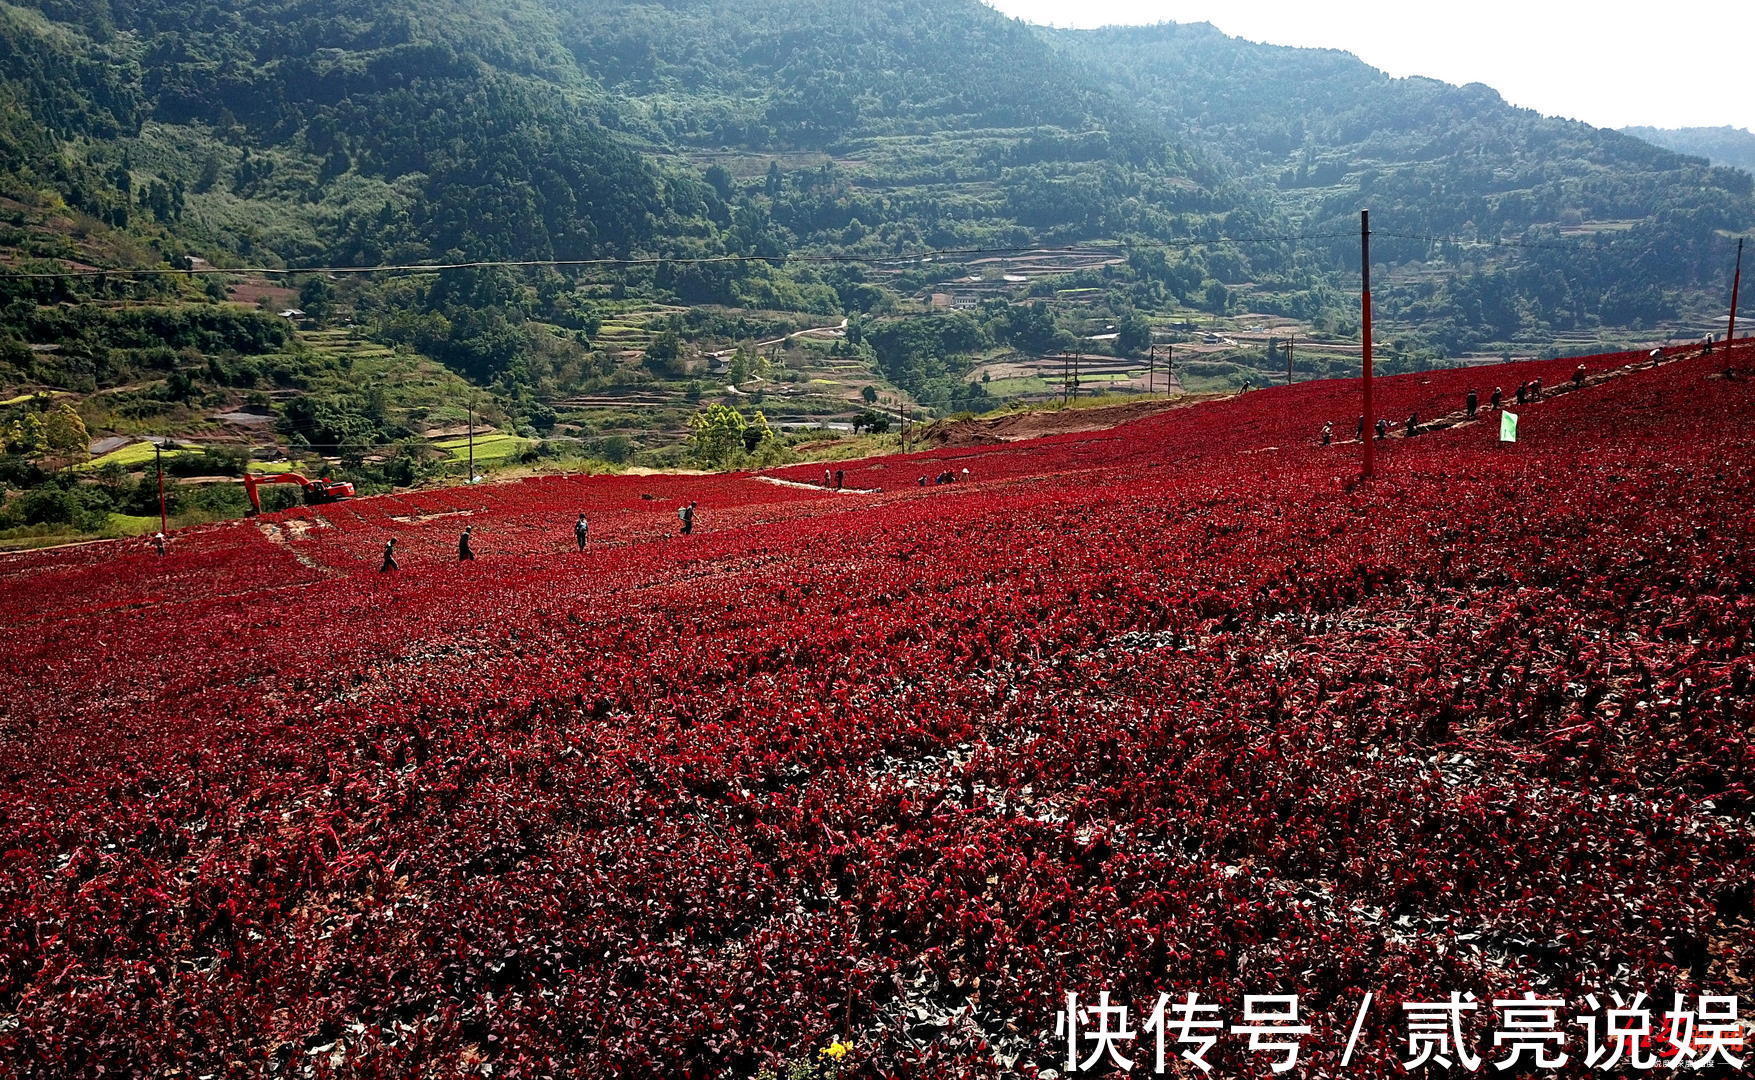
(1174, 707)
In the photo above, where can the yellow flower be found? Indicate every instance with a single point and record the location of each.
(836, 1050)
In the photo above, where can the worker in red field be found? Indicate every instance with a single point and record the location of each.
(840, 479)
(1328, 434)
(1578, 376)
(465, 553)
(1523, 392)
(1413, 424)
(158, 542)
(1382, 428)
(1498, 396)
(581, 531)
(922, 480)
(1359, 429)
(1470, 402)
(1536, 388)
(965, 476)
(687, 516)
(389, 556)
(825, 478)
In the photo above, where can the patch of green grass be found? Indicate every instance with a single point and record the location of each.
(25, 399)
(1023, 384)
(130, 525)
(130, 456)
(489, 449)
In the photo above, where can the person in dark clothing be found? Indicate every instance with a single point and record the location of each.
(1498, 396)
(1413, 424)
(825, 478)
(1359, 429)
(1578, 376)
(1536, 389)
(1523, 392)
(1470, 404)
(840, 479)
(389, 556)
(465, 553)
(581, 531)
(1382, 428)
(1328, 434)
(923, 481)
(687, 516)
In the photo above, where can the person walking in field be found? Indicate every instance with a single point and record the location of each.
(1470, 404)
(581, 531)
(1578, 376)
(1413, 425)
(1382, 428)
(1536, 388)
(840, 479)
(825, 478)
(389, 556)
(687, 516)
(465, 553)
(158, 542)
(1359, 429)
(1498, 396)
(1328, 434)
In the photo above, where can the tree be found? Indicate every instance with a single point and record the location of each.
(64, 432)
(717, 434)
(317, 298)
(869, 394)
(664, 355)
(1133, 334)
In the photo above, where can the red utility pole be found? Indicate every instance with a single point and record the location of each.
(1736, 286)
(1370, 432)
(158, 459)
(1169, 366)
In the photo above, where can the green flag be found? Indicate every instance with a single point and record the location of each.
(1507, 427)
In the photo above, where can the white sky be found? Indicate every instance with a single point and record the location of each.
(1681, 63)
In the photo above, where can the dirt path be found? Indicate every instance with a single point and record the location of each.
(841, 326)
(777, 482)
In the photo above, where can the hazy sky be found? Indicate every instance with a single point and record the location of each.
(1610, 63)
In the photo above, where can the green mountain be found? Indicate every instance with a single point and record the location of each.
(1616, 226)
(1211, 185)
(1730, 146)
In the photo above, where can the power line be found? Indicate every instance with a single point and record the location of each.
(933, 254)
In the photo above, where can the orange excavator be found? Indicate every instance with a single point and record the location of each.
(316, 491)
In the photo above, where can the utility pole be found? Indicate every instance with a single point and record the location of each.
(1736, 286)
(1169, 366)
(1291, 341)
(158, 459)
(1370, 432)
(471, 477)
(1065, 377)
(1151, 370)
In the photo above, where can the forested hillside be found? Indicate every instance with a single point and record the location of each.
(1208, 189)
(1730, 146)
(1613, 226)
